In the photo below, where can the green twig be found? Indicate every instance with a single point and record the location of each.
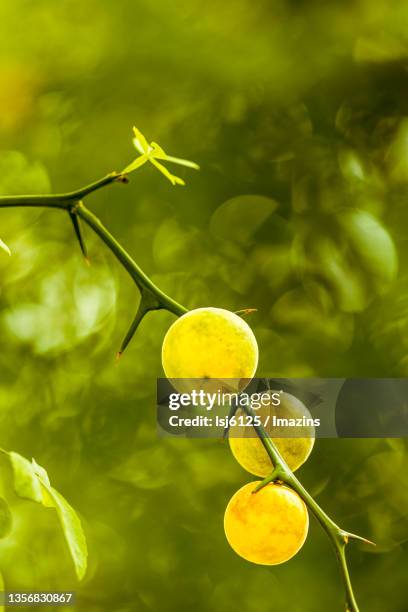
(338, 537)
(140, 278)
(61, 200)
(72, 202)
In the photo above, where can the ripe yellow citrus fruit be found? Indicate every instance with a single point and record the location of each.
(248, 449)
(210, 343)
(268, 527)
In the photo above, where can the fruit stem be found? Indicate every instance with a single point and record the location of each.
(337, 536)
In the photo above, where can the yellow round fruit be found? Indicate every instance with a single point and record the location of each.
(248, 449)
(268, 527)
(210, 343)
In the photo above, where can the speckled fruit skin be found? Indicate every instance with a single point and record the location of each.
(249, 451)
(268, 527)
(210, 343)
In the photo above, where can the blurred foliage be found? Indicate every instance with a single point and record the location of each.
(298, 116)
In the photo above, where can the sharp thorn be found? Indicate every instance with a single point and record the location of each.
(78, 233)
(353, 536)
(246, 311)
(141, 312)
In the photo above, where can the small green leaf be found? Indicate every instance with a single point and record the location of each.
(31, 482)
(26, 482)
(6, 519)
(139, 161)
(140, 141)
(159, 153)
(181, 162)
(40, 472)
(72, 528)
(4, 246)
(174, 180)
(153, 152)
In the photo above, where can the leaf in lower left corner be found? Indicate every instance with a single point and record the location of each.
(31, 482)
(25, 479)
(72, 529)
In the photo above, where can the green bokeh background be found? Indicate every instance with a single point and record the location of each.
(303, 109)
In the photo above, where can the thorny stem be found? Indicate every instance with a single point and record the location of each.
(153, 298)
(338, 537)
(140, 278)
(61, 200)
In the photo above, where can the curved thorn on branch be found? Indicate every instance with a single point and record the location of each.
(78, 234)
(147, 303)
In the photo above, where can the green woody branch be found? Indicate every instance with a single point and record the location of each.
(337, 536)
(153, 298)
